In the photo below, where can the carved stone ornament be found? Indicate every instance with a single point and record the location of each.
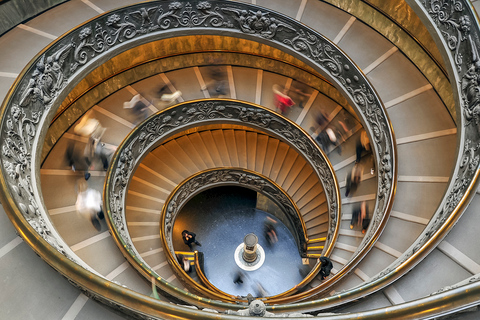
(229, 176)
(38, 93)
(162, 125)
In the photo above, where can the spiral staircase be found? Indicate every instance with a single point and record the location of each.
(417, 259)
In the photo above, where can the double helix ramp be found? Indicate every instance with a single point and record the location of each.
(426, 144)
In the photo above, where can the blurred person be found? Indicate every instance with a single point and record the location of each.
(334, 139)
(165, 99)
(270, 231)
(184, 263)
(328, 140)
(320, 119)
(363, 144)
(353, 179)
(218, 84)
(138, 108)
(154, 289)
(360, 216)
(344, 127)
(89, 203)
(282, 101)
(89, 127)
(171, 97)
(97, 150)
(74, 158)
(301, 95)
(238, 279)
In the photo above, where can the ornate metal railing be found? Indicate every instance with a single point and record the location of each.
(212, 178)
(161, 126)
(42, 85)
(457, 31)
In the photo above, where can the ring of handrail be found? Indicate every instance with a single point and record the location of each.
(216, 177)
(160, 126)
(32, 101)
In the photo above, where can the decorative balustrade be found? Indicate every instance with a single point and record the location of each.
(161, 126)
(230, 176)
(40, 89)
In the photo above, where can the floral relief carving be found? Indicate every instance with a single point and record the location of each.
(258, 22)
(47, 77)
(160, 126)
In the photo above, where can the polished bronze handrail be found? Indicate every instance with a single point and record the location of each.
(161, 126)
(216, 177)
(76, 62)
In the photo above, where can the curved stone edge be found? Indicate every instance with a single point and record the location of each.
(37, 92)
(159, 127)
(457, 30)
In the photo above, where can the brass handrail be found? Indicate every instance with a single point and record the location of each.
(203, 277)
(165, 235)
(80, 60)
(161, 126)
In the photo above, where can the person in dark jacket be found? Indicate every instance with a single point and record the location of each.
(189, 238)
(325, 268)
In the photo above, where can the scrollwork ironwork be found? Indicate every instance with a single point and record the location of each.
(34, 97)
(160, 126)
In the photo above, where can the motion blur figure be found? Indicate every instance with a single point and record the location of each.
(353, 179)
(238, 279)
(281, 101)
(137, 107)
(270, 231)
(166, 99)
(360, 216)
(184, 263)
(74, 157)
(89, 203)
(96, 150)
(91, 129)
(217, 85)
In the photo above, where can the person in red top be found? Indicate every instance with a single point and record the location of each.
(282, 100)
